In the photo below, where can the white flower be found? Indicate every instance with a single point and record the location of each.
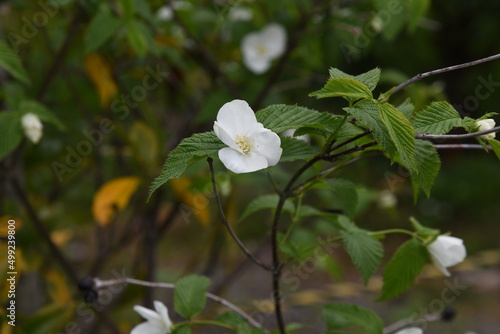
(251, 146)
(165, 13)
(446, 252)
(240, 14)
(32, 126)
(387, 199)
(156, 322)
(291, 132)
(410, 330)
(262, 47)
(486, 124)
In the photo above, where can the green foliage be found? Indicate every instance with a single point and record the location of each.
(262, 202)
(365, 251)
(100, 30)
(10, 128)
(370, 78)
(295, 149)
(495, 145)
(42, 112)
(351, 89)
(353, 314)
(12, 63)
(190, 295)
(428, 165)
(346, 195)
(183, 329)
(437, 118)
(400, 272)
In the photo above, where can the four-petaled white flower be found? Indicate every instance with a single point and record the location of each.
(156, 322)
(262, 47)
(410, 330)
(251, 146)
(32, 127)
(486, 124)
(447, 251)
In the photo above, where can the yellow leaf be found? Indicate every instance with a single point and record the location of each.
(4, 225)
(195, 202)
(113, 196)
(58, 287)
(99, 71)
(144, 143)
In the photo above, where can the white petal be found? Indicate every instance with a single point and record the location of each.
(237, 119)
(410, 330)
(447, 251)
(162, 310)
(268, 144)
(274, 38)
(225, 137)
(33, 127)
(242, 163)
(257, 64)
(253, 58)
(148, 314)
(148, 328)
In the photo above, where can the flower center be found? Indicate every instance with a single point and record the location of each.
(243, 144)
(261, 50)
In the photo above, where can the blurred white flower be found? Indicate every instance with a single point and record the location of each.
(291, 132)
(486, 124)
(251, 146)
(262, 47)
(447, 251)
(240, 14)
(32, 126)
(410, 330)
(387, 199)
(157, 322)
(165, 13)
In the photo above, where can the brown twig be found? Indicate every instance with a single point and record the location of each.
(459, 136)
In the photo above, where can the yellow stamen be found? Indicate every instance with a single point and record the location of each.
(262, 50)
(243, 144)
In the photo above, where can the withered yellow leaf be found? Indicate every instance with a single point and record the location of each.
(4, 225)
(113, 196)
(196, 202)
(99, 71)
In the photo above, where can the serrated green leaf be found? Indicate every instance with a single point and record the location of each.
(12, 63)
(401, 133)
(428, 165)
(295, 149)
(42, 112)
(190, 150)
(102, 27)
(367, 116)
(406, 264)
(346, 195)
(370, 78)
(190, 295)
(495, 145)
(182, 329)
(438, 118)
(269, 201)
(365, 251)
(354, 314)
(235, 320)
(10, 128)
(281, 117)
(407, 108)
(344, 87)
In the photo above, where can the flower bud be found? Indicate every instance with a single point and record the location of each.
(32, 127)
(446, 252)
(486, 124)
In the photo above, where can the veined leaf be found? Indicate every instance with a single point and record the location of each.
(42, 112)
(12, 63)
(406, 264)
(495, 145)
(10, 128)
(346, 195)
(407, 108)
(190, 295)
(438, 118)
(344, 87)
(281, 117)
(370, 78)
(269, 201)
(365, 251)
(354, 314)
(428, 165)
(295, 149)
(102, 27)
(401, 132)
(190, 150)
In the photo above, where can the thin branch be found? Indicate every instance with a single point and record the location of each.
(351, 150)
(461, 146)
(348, 141)
(442, 70)
(466, 135)
(226, 223)
(411, 321)
(99, 284)
(277, 266)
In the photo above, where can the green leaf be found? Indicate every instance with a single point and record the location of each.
(295, 149)
(346, 195)
(365, 251)
(344, 87)
(401, 133)
(438, 118)
(12, 63)
(416, 9)
(235, 320)
(42, 112)
(102, 27)
(182, 329)
(354, 314)
(137, 37)
(269, 201)
(406, 264)
(190, 295)
(10, 128)
(428, 165)
(370, 78)
(189, 151)
(128, 7)
(495, 145)
(407, 108)
(281, 117)
(367, 116)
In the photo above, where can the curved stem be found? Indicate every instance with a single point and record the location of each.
(465, 135)
(393, 230)
(205, 322)
(228, 226)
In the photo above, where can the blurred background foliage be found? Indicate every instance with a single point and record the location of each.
(128, 79)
